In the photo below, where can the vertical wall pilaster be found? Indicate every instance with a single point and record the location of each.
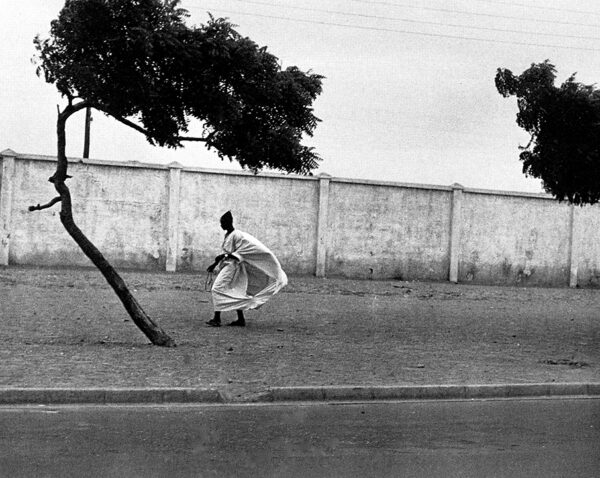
(455, 231)
(573, 249)
(6, 194)
(322, 217)
(173, 216)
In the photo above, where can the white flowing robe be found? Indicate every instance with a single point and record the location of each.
(249, 281)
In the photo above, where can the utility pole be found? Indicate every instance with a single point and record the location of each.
(86, 139)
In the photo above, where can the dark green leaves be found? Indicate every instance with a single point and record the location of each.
(564, 124)
(138, 59)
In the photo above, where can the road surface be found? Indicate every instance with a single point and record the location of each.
(494, 438)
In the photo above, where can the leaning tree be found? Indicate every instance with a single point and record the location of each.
(564, 127)
(138, 62)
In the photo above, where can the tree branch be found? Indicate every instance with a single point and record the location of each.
(191, 138)
(74, 108)
(531, 140)
(45, 206)
(138, 128)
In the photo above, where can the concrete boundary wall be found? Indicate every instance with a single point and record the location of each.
(165, 217)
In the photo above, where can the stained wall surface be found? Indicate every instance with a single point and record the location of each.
(280, 212)
(121, 210)
(382, 231)
(158, 217)
(514, 240)
(586, 240)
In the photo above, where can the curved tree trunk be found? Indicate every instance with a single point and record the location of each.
(156, 335)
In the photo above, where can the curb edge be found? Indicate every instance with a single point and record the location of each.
(433, 392)
(14, 396)
(105, 396)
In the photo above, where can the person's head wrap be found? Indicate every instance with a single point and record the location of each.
(227, 217)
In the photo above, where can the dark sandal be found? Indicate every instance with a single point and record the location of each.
(237, 323)
(214, 323)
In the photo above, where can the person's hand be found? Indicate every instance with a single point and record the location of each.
(210, 268)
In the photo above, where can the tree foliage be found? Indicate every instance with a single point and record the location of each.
(138, 61)
(564, 124)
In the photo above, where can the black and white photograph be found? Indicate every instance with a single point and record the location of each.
(297, 239)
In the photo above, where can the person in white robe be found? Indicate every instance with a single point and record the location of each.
(249, 274)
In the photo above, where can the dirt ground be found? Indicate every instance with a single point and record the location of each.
(66, 328)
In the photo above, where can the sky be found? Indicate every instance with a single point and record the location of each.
(409, 93)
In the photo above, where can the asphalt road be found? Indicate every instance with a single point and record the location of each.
(508, 438)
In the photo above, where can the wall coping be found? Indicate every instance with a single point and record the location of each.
(493, 192)
(163, 167)
(231, 172)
